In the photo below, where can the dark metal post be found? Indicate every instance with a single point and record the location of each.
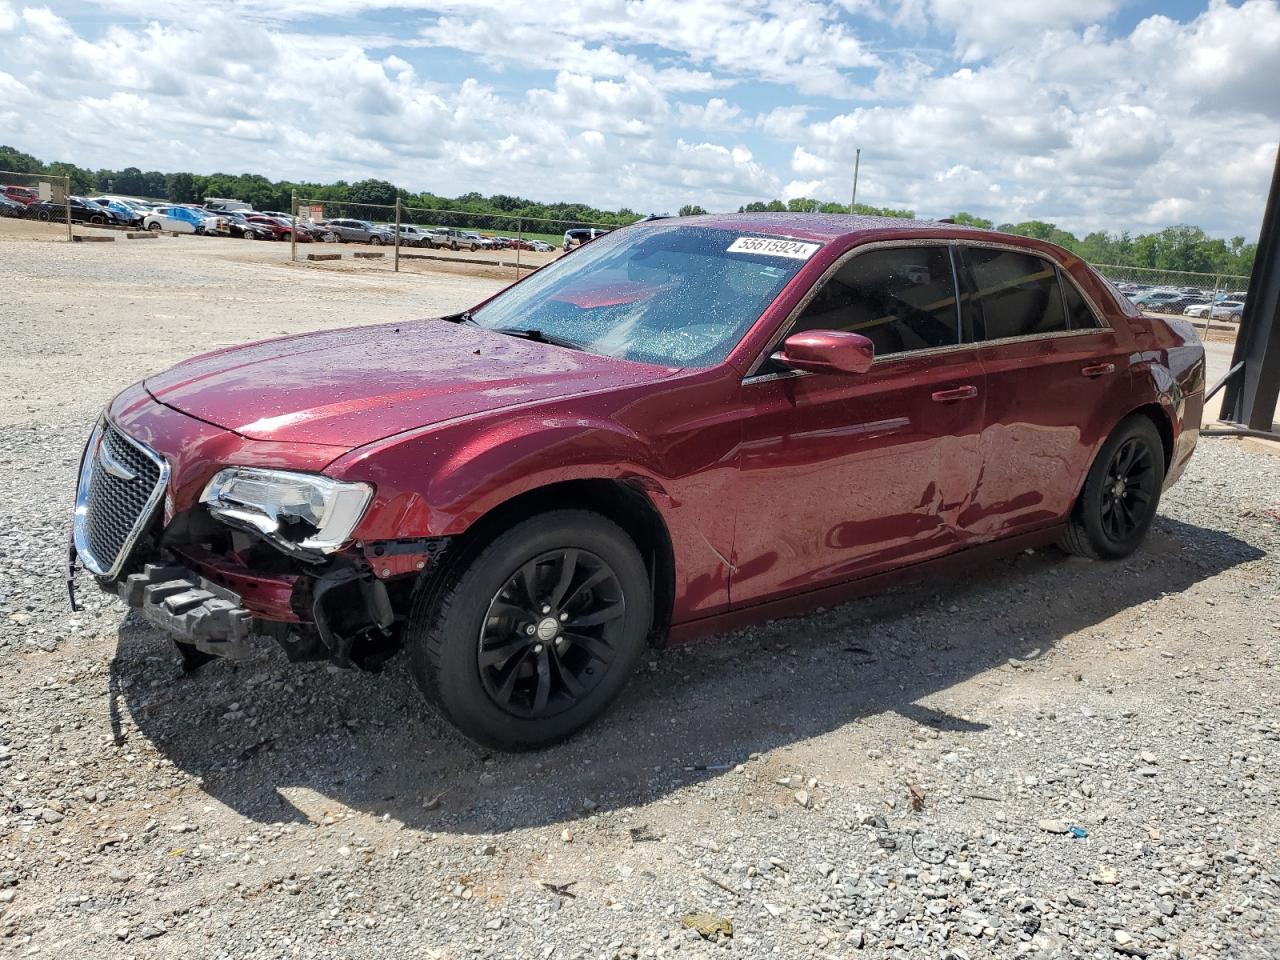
(397, 233)
(293, 234)
(1250, 397)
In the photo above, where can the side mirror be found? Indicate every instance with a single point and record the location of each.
(827, 351)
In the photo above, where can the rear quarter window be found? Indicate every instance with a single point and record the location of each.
(1018, 293)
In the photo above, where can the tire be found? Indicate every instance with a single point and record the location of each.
(155, 227)
(453, 245)
(473, 248)
(1104, 526)
(375, 240)
(44, 216)
(97, 220)
(524, 701)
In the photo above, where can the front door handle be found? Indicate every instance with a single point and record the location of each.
(1098, 369)
(967, 392)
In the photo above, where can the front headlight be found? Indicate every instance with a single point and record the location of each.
(295, 511)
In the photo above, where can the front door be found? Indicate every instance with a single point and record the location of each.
(841, 476)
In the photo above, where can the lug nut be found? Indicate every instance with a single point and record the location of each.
(545, 608)
(537, 648)
(564, 617)
(531, 629)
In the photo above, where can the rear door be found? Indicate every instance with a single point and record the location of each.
(1056, 378)
(841, 476)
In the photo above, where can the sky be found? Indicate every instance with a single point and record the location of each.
(1093, 114)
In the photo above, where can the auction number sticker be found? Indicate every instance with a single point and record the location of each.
(773, 247)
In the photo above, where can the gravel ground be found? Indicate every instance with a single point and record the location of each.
(898, 777)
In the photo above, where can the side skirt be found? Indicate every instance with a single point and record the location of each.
(801, 603)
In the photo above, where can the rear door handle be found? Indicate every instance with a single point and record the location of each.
(967, 392)
(1098, 369)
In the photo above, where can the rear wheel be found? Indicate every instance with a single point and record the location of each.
(44, 215)
(530, 638)
(1118, 503)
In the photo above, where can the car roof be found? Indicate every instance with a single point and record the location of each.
(828, 227)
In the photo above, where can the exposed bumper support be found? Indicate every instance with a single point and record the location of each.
(194, 610)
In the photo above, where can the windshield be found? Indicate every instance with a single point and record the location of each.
(658, 293)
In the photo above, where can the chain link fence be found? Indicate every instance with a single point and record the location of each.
(424, 238)
(39, 197)
(1204, 298)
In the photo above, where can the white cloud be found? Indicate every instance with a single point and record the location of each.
(1026, 109)
(983, 26)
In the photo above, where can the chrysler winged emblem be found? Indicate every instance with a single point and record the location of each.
(113, 466)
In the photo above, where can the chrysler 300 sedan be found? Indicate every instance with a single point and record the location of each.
(683, 425)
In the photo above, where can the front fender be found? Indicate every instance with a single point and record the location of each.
(440, 482)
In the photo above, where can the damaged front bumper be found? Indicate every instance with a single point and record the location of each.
(191, 608)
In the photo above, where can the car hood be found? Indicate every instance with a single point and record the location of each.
(356, 385)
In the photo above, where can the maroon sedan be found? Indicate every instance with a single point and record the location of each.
(688, 424)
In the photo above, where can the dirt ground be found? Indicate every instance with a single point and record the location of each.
(1043, 757)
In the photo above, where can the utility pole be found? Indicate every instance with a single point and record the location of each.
(857, 160)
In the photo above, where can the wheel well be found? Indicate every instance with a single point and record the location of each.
(623, 503)
(1156, 414)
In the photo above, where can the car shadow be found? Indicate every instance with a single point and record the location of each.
(285, 742)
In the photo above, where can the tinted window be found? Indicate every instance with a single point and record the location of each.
(901, 299)
(1018, 293)
(1079, 316)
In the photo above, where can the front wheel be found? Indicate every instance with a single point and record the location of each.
(532, 637)
(376, 240)
(154, 227)
(1118, 503)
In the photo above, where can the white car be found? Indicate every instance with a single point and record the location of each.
(1200, 310)
(182, 220)
(541, 246)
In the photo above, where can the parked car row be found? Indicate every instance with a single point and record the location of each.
(234, 218)
(1186, 301)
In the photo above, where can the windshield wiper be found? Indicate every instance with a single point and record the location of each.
(462, 317)
(537, 336)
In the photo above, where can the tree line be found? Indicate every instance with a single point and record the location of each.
(1183, 247)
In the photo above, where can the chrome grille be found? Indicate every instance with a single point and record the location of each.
(121, 483)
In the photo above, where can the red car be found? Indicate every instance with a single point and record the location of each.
(18, 194)
(280, 229)
(686, 425)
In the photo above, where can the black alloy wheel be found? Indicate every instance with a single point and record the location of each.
(549, 635)
(1126, 498)
(1118, 502)
(522, 639)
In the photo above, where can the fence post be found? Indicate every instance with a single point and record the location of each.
(66, 202)
(293, 234)
(397, 255)
(519, 243)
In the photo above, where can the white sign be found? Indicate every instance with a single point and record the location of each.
(773, 247)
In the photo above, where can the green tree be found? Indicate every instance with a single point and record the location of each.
(690, 210)
(969, 220)
(181, 188)
(81, 180)
(378, 192)
(15, 161)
